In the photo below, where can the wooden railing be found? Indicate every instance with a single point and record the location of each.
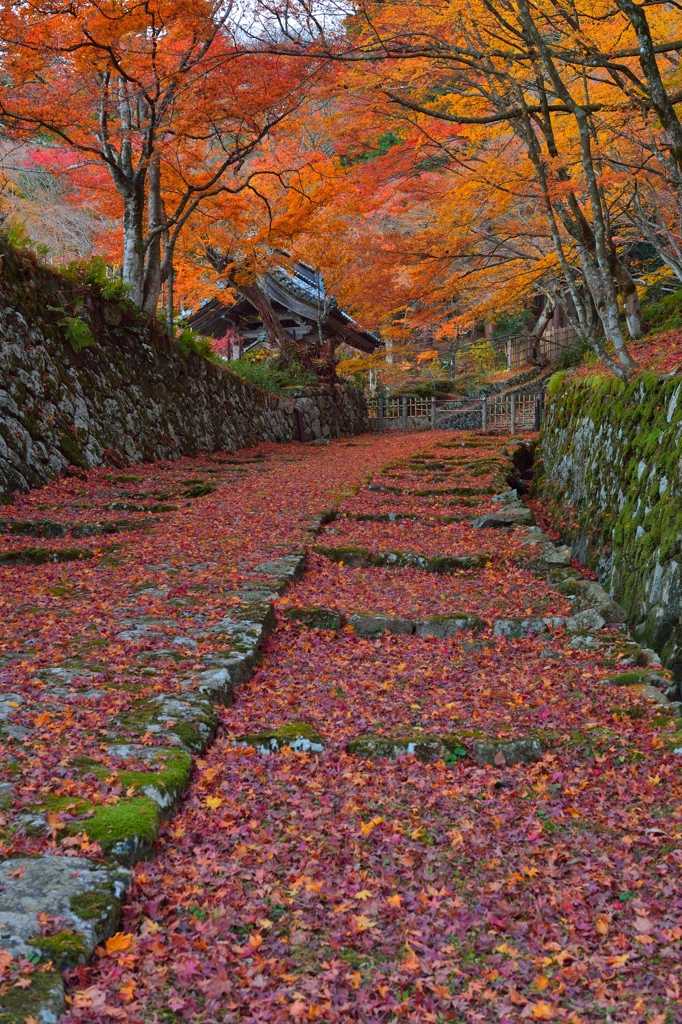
(408, 412)
(518, 409)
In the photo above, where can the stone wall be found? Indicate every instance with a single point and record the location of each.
(130, 397)
(611, 465)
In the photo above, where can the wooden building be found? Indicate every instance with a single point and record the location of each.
(299, 302)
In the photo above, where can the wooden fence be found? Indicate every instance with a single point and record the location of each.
(519, 409)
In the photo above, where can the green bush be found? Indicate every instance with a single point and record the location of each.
(191, 343)
(77, 332)
(666, 314)
(93, 274)
(265, 374)
(429, 389)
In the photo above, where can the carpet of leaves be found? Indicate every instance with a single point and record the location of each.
(181, 570)
(295, 887)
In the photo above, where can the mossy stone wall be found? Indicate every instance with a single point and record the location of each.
(130, 397)
(610, 462)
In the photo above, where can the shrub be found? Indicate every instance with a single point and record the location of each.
(666, 314)
(189, 342)
(265, 374)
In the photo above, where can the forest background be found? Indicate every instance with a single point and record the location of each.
(444, 165)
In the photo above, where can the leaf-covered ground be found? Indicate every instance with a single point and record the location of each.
(323, 886)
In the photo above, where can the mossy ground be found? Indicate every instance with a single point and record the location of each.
(64, 949)
(136, 819)
(17, 1005)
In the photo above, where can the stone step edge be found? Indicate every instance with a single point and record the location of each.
(212, 687)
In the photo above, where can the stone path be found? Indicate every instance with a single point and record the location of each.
(449, 792)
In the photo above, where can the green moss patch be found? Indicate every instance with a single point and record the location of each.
(315, 617)
(426, 747)
(41, 556)
(637, 677)
(44, 996)
(65, 949)
(296, 735)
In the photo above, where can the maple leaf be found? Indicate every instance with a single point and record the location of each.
(602, 925)
(119, 943)
(212, 802)
(395, 900)
(364, 894)
(128, 990)
(22, 983)
(362, 923)
(367, 827)
(542, 1011)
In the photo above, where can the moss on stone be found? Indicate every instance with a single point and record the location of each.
(297, 735)
(198, 490)
(315, 616)
(45, 993)
(65, 949)
(351, 555)
(637, 677)
(133, 821)
(72, 452)
(93, 905)
(41, 556)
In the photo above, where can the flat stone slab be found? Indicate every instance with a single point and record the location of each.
(288, 568)
(374, 625)
(296, 735)
(507, 752)
(512, 515)
(315, 617)
(72, 888)
(518, 628)
(426, 747)
(447, 626)
(585, 621)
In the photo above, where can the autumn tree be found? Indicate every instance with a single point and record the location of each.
(161, 95)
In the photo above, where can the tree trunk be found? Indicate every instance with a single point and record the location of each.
(539, 328)
(133, 255)
(260, 301)
(152, 275)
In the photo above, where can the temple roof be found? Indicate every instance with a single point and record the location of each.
(298, 299)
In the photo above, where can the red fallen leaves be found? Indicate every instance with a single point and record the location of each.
(437, 539)
(334, 889)
(181, 572)
(494, 592)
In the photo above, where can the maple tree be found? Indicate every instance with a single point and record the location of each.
(528, 147)
(157, 100)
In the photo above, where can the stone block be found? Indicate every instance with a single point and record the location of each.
(373, 746)
(368, 624)
(510, 516)
(447, 626)
(296, 735)
(517, 628)
(507, 752)
(585, 621)
(315, 617)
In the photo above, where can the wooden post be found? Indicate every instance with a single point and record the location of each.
(484, 415)
(433, 414)
(404, 413)
(512, 413)
(380, 412)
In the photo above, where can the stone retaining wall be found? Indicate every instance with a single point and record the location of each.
(611, 465)
(130, 397)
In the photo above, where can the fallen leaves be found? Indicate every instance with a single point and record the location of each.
(326, 887)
